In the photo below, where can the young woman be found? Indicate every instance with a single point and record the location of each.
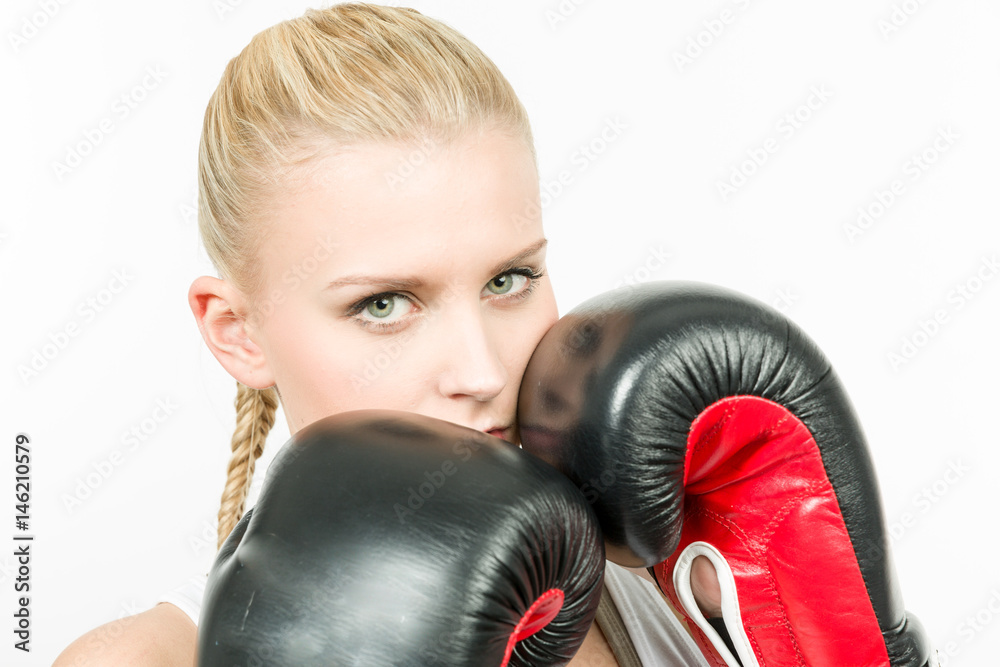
(369, 196)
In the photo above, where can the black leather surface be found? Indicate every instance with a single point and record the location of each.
(611, 392)
(338, 565)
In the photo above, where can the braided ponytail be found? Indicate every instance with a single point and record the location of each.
(255, 409)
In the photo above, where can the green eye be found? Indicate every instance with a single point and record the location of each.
(381, 307)
(502, 284)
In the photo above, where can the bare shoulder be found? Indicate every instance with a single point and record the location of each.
(163, 636)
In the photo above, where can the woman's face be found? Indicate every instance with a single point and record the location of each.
(399, 276)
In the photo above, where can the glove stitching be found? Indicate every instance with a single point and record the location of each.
(767, 535)
(758, 548)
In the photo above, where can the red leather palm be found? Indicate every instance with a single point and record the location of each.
(757, 490)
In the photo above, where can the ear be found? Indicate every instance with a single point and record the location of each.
(220, 311)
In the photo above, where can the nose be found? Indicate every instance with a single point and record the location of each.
(472, 366)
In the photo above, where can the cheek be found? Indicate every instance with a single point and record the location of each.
(334, 380)
(535, 326)
(390, 372)
(313, 363)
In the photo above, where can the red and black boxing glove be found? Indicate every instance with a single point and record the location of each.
(390, 539)
(701, 422)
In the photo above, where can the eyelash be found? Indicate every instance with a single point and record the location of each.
(358, 306)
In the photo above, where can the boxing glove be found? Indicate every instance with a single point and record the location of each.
(701, 422)
(390, 538)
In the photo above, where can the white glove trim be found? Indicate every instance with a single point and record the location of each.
(730, 603)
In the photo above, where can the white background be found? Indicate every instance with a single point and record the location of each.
(683, 128)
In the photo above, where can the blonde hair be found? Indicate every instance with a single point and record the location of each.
(347, 74)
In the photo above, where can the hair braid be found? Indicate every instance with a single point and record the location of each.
(255, 409)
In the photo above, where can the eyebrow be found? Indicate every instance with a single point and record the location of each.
(396, 283)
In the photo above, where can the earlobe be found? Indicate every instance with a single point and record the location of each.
(220, 314)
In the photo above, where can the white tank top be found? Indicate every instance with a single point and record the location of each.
(658, 637)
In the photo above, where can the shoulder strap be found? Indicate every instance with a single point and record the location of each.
(611, 624)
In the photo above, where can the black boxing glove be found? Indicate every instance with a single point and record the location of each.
(390, 538)
(701, 422)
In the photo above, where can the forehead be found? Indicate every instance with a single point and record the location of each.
(407, 206)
